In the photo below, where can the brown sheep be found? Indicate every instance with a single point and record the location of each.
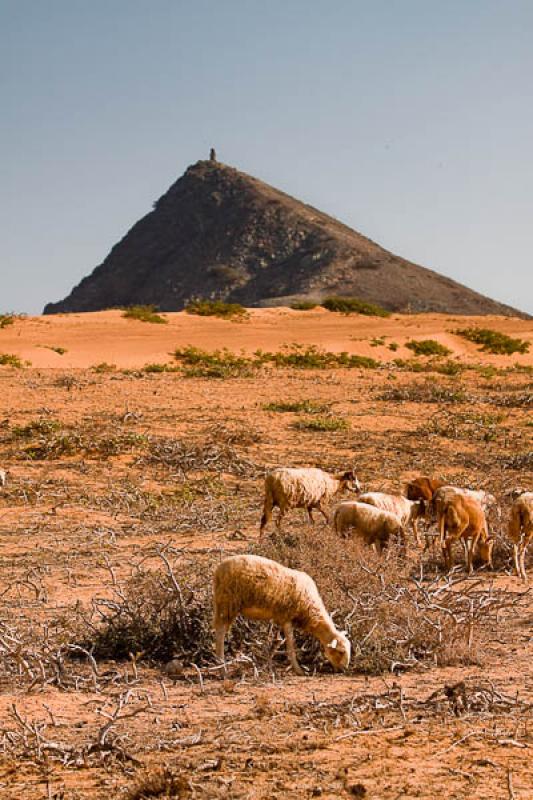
(464, 520)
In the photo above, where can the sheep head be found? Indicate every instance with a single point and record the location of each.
(485, 551)
(338, 651)
(349, 481)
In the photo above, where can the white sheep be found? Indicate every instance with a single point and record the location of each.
(374, 525)
(442, 495)
(521, 530)
(3, 477)
(259, 588)
(408, 511)
(303, 488)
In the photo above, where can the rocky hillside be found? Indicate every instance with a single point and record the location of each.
(219, 233)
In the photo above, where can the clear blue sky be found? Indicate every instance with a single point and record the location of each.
(410, 120)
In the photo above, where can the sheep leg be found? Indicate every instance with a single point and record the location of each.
(415, 531)
(447, 554)
(310, 515)
(221, 628)
(319, 507)
(291, 649)
(470, 547)
(267, 514)
(523, 561)
(516, 557)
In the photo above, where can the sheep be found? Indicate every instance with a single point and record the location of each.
(464, 520)
(440, 497)
(303, 488)
(259, 588)
(3, 477)
(423, 488)
(374, 525)
(521, 530)
(408, 511)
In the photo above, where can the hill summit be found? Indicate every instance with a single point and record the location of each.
(221, 234)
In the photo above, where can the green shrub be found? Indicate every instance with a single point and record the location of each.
(353, 305)
(6, 319)
(298, 407)
(144, 314)
(59, 350)
(217, 364)
(158, 368)
(303, 305)
(493, 341)
(103, 368)
(217, 308)
(441, 367)
(321, 424)
(311, 357)
(10, 360)
(225, 364)
(427, 347)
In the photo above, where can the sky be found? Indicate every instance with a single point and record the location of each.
(409, 120)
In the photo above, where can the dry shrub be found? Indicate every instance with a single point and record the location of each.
(160, 613)
(464, 425)
(427, 392)
(395, 621)
(190, 456)
(161, 783)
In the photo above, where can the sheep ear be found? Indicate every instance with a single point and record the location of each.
(333, 644)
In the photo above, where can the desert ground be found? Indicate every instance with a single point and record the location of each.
(131, 474)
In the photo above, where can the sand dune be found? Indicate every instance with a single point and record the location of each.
(91, 338)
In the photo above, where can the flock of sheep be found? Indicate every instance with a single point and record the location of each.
(259, 588)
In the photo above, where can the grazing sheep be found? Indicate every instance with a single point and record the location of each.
(259, 588)
(464, 520)
(521, 530)
(423, 488)
(408, 511)
(374, 525)
(442, 495)
(303, 488)
(3, 477)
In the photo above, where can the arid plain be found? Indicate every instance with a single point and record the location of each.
(131, 473)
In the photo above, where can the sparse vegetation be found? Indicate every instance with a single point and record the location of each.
(428, 392)
(433, 365)
(466, 425)
(304, 305)
(59, 350)
(322, 424)
(6, 319)
(297, 407)
(427, 347)
(155, 368)
(10, 360)
(217, 308)
(104, 368)
(50, 439)
(492, 341)
(199, 363)
(300, 356)
(353, 305)
(144, 314)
